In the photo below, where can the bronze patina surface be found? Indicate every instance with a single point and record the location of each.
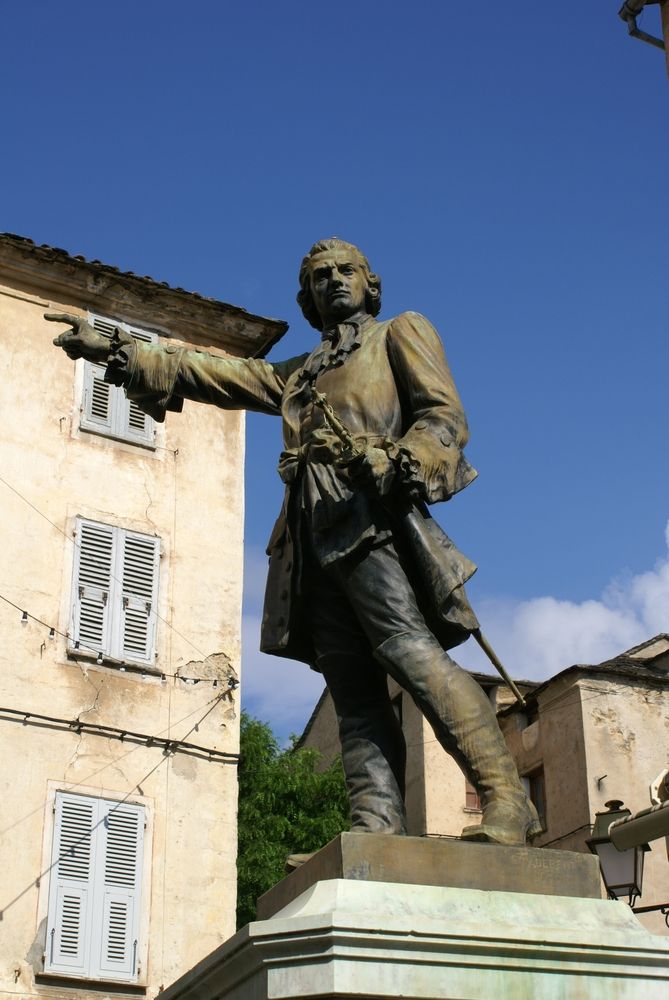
(362, 582)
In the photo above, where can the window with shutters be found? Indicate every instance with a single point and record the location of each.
(535, 786)
(95, 889)
(105, 407)
(115, 592)
(472, 799)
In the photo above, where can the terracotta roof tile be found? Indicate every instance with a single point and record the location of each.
(242, 332)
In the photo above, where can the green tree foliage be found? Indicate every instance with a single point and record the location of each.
(286, 806)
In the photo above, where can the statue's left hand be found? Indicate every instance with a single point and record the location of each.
(373, 466)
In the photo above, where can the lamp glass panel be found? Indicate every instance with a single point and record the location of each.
(618, 868)
(640, 855)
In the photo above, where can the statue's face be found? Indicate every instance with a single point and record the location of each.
(338, 285)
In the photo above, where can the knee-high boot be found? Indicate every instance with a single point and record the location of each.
(372, 743)
(464, 723)
(372, 746)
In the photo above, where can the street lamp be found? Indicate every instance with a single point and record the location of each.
(622, 871)
(629, 12)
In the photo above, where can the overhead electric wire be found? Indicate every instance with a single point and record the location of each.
(115, 732)
(117, 805)
(110, 763)
(134, 667)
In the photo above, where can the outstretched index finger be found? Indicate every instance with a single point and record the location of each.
(74, 321)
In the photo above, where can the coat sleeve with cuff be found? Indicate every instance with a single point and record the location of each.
(429, 454)
(159, 377)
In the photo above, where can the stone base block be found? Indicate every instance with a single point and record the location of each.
(346, 938)
(373, 857)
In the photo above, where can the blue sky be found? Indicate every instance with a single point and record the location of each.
(507, 176)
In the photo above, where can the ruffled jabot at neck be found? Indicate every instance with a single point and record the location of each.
(336, 344)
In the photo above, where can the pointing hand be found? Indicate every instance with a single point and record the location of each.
(82, 341)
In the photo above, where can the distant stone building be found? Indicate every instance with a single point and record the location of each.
(589, 734)
(120, 608)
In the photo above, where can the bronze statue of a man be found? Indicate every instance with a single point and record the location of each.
(362, 581)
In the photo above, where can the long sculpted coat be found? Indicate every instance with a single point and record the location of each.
(390, 384)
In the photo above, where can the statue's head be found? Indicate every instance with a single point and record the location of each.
(343, 260)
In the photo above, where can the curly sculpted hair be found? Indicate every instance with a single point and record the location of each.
(304, 296)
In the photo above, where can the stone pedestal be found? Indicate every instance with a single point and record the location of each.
(344, 932)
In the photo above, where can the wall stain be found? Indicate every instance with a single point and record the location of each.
(623, 738)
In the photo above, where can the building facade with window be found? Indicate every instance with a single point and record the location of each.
(120, 609)
(589, 734)
(595, 733)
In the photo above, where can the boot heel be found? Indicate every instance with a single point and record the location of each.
(508, 825)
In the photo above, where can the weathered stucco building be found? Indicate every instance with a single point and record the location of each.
(589, 734)
(120, 607)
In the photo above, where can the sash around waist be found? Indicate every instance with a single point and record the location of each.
(322, 450)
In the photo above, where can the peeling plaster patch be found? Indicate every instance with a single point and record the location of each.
(230, 713)
(623, 738)
(34, 958)
(184, 767)
(603, 716)
(216, 666)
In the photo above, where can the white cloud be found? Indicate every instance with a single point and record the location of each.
(537, 638)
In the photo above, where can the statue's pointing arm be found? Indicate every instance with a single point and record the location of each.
(158, 377)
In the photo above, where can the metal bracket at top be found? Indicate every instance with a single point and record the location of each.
(628, 12)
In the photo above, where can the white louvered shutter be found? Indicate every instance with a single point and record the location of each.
(106, 409)
(99, 403)
(95, 891)
(71, 895)
(115, 948)
(93, 581)
(104, 326)
(139, 576)
(115, 592)
(98, 409)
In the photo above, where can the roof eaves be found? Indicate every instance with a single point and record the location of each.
(257, 333)
(619, 666)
